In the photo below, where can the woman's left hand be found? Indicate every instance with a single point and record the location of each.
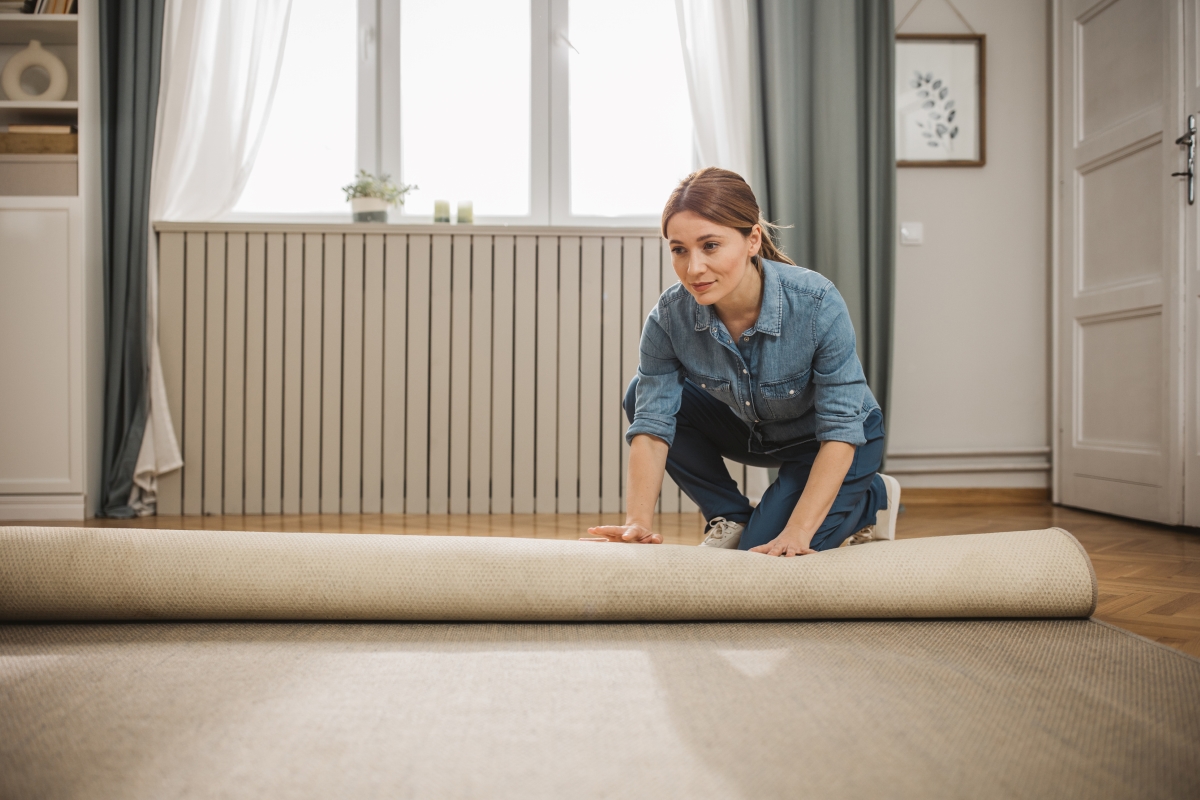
(788, 543)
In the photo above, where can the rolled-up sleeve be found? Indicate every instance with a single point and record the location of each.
(660, 383)
(840, 385)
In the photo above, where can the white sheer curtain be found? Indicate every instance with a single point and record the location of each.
(220, 66)
(719, 59)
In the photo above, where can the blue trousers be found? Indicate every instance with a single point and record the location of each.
(706, 431)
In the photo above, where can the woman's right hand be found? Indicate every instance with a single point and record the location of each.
(630, 534)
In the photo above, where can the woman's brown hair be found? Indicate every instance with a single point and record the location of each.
(725, 198)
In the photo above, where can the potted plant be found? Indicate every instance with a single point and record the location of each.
(370, 196)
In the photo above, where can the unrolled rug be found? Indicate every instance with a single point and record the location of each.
(826, 709)
(63, 574)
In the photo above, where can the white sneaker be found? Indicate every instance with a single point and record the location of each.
(885, 520)
(723, 533)
(867, 534)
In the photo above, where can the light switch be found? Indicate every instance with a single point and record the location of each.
(912, 233)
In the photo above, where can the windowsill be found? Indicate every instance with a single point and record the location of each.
(339, 223)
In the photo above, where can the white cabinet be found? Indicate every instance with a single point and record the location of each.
(39, 327)
(51, 295)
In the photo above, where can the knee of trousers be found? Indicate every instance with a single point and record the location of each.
(631, 399)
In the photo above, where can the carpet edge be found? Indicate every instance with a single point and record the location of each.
(1147, 639)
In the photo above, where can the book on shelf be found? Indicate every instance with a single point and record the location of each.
(51, 129)
(38, 144)
(44, 6)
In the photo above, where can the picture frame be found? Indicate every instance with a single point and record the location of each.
(941, 100)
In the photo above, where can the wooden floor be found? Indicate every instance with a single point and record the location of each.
(1149, 575)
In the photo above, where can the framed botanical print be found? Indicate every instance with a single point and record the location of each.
(940, 100)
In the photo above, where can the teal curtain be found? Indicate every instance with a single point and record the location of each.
(826, 94)
(130, 49)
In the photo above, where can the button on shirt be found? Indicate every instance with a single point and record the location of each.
(794, 376)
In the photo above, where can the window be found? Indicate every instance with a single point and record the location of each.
(465, 104)
(630, 121)
(537, 111)
(307, 150)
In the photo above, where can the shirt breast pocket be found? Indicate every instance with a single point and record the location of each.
(717, 387)
(785, 399)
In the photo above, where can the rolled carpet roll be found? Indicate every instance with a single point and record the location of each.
(58, 574)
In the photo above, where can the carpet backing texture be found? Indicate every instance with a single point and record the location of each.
(64, 574)
(830, 709)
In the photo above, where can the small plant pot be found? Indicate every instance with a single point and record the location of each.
(369, 209)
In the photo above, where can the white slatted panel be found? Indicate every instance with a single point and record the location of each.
(524, 395)
(256, 317)
(568, 375)
(612, 416)
(312, 386)
(416, 447)
(439, 375)
(591, 307)
(293, 363)
(352, 375)
(330, 408)
(214, 373)
(503, 265)
(274, 363)
(171, 310)
(546, 423)
(458, 329)
(480, 457)
(373, 348)
(340, 372)
(192, 439)
(235, 373)
(395, 372)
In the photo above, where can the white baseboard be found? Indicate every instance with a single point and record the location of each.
(1003, 468)
(42, 507)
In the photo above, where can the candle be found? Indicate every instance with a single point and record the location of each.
(466, 212)
(441, 210)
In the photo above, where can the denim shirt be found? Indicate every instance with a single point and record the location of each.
(793, 377)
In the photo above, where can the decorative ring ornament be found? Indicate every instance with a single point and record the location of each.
(34, 56)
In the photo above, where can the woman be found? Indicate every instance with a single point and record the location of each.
(751, 358)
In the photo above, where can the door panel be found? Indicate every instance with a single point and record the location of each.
(1120, 206)
(38, 305)
(1120, 60)
(1120, 392)
(1119, 383)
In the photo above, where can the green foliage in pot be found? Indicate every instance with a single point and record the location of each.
(381, 186)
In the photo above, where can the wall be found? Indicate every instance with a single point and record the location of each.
(970, 403)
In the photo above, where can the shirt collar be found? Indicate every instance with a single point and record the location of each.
(770, 316)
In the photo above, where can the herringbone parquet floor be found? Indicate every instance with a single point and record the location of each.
(1149, 575)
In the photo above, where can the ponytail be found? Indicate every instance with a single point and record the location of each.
(768, 249)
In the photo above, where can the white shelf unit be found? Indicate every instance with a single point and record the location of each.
(51, 286)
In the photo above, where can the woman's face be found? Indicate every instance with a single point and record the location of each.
(712, 261)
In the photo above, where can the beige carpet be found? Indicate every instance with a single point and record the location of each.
(838, 709)
(113, 574)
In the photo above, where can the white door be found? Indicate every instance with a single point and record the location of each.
(1120, 360)
(1191, 270)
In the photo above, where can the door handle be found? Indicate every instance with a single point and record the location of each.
(1189, 139)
